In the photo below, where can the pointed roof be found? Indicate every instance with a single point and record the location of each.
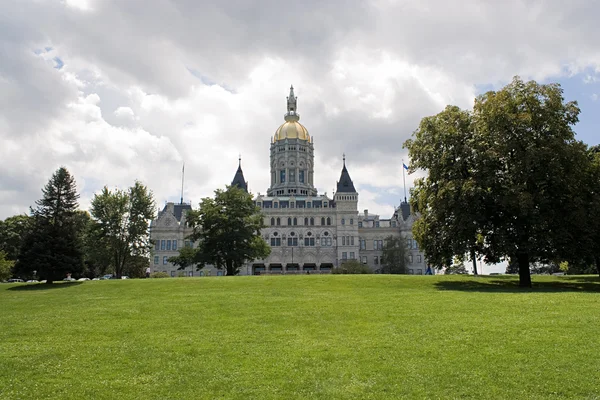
(345, 184)
(238, 179)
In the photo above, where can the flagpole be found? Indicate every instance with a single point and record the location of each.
(404, 180)
(182, 175)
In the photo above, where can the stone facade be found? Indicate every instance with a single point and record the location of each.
(308, 232)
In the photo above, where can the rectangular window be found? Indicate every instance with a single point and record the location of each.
(309, 241)
(419, 259)
(393, 224)
(364, 259)
(186, 243)
(292, 241)
(155, 260)
(360, 224)
(374, 244)
(162, 244)
(376, 224)
(351, 221)
(351, 240)
(165, 260)
(168, 245)
(343, 240)
(292, 176)
(352, 255)
(278, 242)
(308, 204)
(301, 176)
(344, 255)
(376, 260)
(343, 221)
(410, 259)
(174, 244)
(272, 242)
(157, 245)
(380, 244)
(363, 244)
(172, 274)
(292, 205)
(282, 176)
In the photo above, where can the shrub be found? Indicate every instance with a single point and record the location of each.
(5, 267)
(352, 267)
(159, 274)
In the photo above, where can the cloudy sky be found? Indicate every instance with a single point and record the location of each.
(118, 90)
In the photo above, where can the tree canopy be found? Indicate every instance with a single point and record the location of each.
(499, 177)
(122, 224)
(52, 246)
(12, 232)
(394, 256)
(227, 228)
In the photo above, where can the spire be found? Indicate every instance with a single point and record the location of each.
(345, 184)
(292, 100)
(238, 179)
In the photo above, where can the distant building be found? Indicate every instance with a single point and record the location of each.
(307, 231)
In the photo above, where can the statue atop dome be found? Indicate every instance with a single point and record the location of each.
(292, 107)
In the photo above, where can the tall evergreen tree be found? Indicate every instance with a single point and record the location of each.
(53, 246)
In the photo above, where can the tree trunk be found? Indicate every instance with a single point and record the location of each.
(598, 264)
(474, 261)
(524, 273)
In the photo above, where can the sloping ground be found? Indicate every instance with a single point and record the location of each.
(299, 337)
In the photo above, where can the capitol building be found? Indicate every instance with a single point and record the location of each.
(308, 232)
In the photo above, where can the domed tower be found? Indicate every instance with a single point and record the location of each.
(292, 156)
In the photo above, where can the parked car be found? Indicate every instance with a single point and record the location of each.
(15, 280)
(83, 279)
(105, 277)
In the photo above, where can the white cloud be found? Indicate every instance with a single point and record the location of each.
(144, 87)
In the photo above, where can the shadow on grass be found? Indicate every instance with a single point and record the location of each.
(45, 286)
(511, 285)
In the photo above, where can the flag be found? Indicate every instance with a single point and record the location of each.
(405, 166)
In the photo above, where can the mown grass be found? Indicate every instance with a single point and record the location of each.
(301, 337)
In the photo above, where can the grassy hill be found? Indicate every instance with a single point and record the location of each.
(300, 337)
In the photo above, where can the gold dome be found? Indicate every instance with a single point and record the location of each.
(291, 130)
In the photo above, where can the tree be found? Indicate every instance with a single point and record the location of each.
(227, 228)
(12, 231)
(6, 266)
(444, 145)
(457, 268)
(395, 255)
(53, 247)
(186, 258)
(122, 223)
(352, 267)
(523, 165)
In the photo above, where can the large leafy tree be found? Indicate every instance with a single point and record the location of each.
(394, 255)
(52, 247)
(12, 231)
(523, 166)
(122, 224)
(227, 228)
(445, 146)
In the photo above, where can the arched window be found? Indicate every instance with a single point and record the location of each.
(295, 221)
(312, 221)
(272, 221)
(328, 221)
(306, 221)
(278, 221)
(322, 220)
(289, 221)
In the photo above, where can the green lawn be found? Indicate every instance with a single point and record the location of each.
(302, 337)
